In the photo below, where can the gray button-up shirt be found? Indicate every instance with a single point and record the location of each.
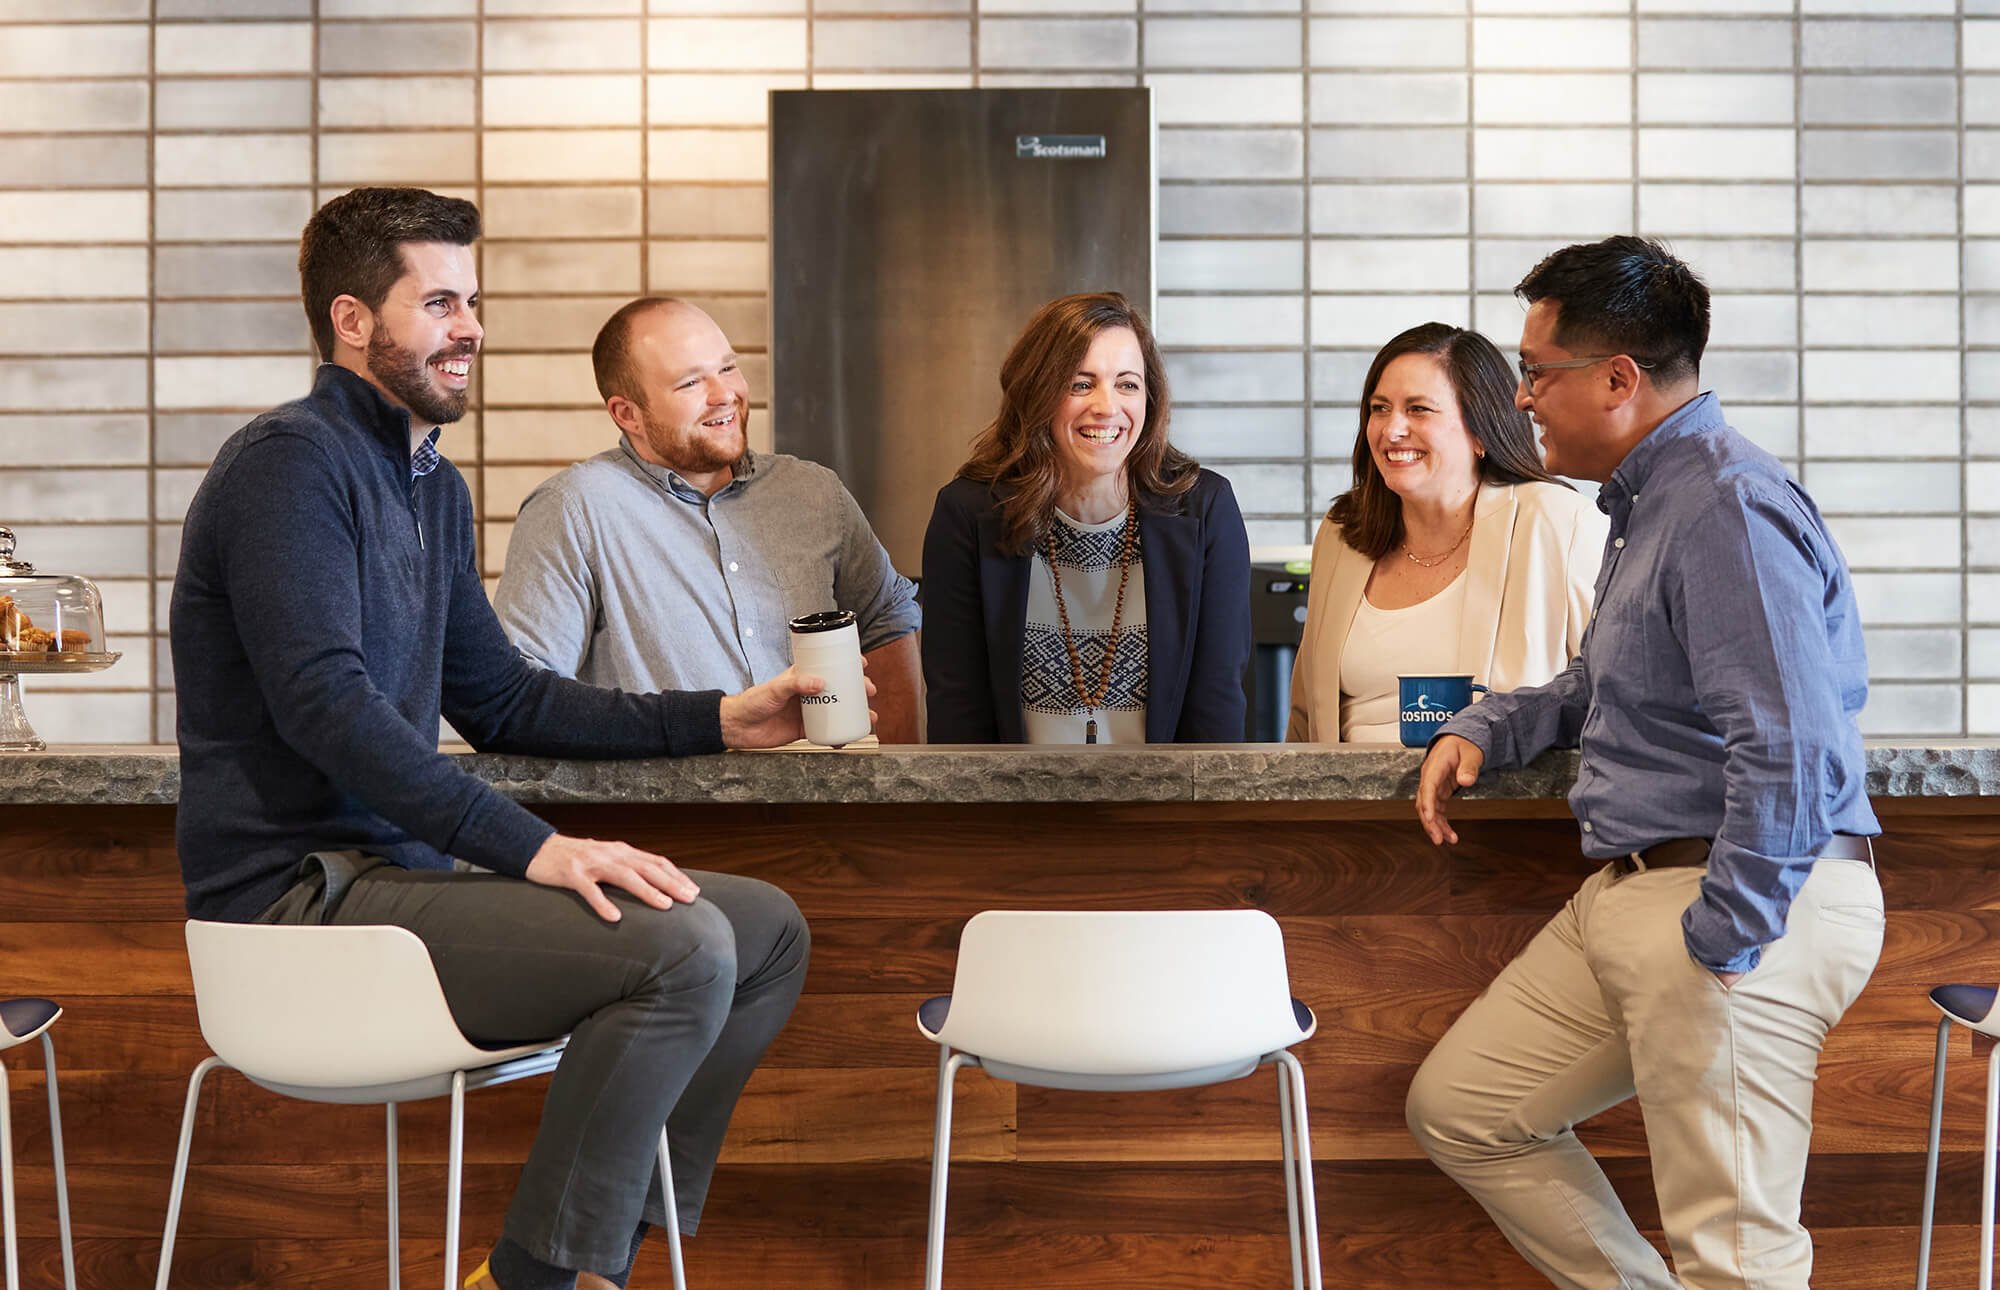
(621, 573)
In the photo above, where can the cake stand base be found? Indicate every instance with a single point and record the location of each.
(16, 735)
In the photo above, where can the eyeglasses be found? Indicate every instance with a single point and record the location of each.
(1529, 371)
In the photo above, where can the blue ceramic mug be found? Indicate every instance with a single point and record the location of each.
(1430, 701)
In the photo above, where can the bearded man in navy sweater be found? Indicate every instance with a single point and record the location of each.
(327, 610)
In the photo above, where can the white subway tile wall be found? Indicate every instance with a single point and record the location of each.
(1330, 171)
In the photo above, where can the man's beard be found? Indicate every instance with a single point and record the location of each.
(693, 453)
(406, 376)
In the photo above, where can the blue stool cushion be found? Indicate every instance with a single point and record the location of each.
(1966, 1004)
(23, 1019)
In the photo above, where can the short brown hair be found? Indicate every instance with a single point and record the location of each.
(1369, 514)
(1017, 454)
(611, 353)
(353, 246)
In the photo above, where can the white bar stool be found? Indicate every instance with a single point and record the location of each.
(20, 1021)
(349, 1015)
(1971, 1006)
(1126, 1001)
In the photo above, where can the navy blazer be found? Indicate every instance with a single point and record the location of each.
(1196, 564)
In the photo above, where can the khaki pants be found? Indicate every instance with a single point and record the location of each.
(1605, 1003)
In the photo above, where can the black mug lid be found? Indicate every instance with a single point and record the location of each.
(829, 620)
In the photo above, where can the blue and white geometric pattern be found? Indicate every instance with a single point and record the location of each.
(1087, 550)
(424, 457)
(1048, 684)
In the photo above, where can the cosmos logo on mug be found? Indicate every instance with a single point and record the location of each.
(1430, 701)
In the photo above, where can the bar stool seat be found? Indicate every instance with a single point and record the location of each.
(350, 1015)
(1126, 1000)
(1970, 1006)
(22, 1021)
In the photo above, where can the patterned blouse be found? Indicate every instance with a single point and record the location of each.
(1087, 563)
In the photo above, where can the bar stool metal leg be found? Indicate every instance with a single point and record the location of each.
(1308, 1202)
(180, 1167)
(62, 1178)
(11, 1258)
(948, 1064)
(1931, 1154)
(1291, 1175)
(395, 1234)
(673, 1214)
(454, 1177)
(1986, 1170)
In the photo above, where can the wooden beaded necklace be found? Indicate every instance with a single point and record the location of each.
(1090, 700)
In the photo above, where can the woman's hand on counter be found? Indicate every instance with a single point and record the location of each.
(1452, 763)
(767, 715)
(586, 866)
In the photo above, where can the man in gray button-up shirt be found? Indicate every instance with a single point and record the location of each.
(675, 560)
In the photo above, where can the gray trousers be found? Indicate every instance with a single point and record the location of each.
(668, 1012)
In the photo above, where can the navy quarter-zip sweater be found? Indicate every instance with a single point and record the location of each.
(326, 611)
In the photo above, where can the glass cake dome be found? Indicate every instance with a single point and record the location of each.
(49, 623)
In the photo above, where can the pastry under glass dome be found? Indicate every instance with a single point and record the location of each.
(49, 623)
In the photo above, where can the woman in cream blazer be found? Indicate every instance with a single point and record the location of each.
(1535, 552)
(1529, 550)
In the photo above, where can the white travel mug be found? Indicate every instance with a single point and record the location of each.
(828, 646)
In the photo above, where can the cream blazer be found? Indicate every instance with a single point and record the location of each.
(1535, 552)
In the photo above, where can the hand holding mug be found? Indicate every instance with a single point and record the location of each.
(770, 715)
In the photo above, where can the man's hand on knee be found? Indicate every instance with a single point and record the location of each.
(586, 867)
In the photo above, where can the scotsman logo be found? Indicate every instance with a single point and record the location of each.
(1047, 146)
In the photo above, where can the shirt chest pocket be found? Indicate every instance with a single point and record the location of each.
(1620, 626)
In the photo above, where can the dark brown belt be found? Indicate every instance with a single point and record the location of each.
(1694, 851)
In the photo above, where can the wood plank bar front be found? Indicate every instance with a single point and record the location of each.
(825, 1175)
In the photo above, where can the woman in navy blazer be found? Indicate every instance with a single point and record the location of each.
(1085, 367)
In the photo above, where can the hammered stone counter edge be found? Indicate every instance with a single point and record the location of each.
(150, 775)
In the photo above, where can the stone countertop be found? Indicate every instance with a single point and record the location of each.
(83, 774)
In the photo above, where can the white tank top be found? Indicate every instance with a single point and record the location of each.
(1382, 643)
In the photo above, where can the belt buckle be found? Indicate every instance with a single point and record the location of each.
(1628, 864)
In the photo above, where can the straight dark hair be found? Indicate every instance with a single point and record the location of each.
(1626, 295)
(1369, 513)
(1016, 453)
(353, 246)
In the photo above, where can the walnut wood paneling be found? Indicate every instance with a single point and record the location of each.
(825, 1177)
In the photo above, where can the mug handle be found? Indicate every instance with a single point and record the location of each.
(1480, 689)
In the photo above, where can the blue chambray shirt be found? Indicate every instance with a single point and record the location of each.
(1718, 683)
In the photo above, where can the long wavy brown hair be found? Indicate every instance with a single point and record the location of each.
(1016, 454)
(1369, 514)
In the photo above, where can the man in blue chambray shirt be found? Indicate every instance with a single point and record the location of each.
(1714, 702)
